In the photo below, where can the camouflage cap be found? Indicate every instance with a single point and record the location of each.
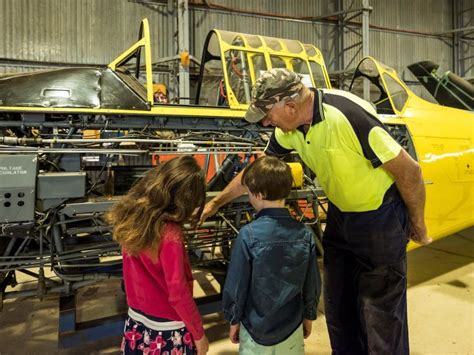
(272, 87)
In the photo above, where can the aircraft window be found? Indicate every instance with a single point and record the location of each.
(377, 95)
(213, 88)
(310, 51)
(397, 92)
(253, 41)
(273, 43)
(292, 46)
(299, 66)
(368, 67)
(259, 65)
(318, 75)
(277, 62)
(131, 81)
(214, 47)
(238, 73)
(231, 38)
(238, 41)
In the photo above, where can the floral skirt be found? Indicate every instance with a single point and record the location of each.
(139, 338)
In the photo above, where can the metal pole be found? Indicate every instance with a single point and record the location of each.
(183, 46)
(365, 41)
(455, 17)
(172, 20)
(340, 43)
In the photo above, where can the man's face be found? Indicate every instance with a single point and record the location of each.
(282, 115)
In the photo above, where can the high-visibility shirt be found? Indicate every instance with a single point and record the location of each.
(345, 146)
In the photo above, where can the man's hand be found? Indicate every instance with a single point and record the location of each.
(234, 333)
(209, 210)
(233, 190)
(418, 233)
(202, 345)
(307, 326)
(409, 181)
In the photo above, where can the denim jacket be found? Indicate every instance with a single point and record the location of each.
(273, 279)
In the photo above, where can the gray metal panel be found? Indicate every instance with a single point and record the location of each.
(298, 8)
(61, 185)
(79, 87)
(17, 187)
(116, 94)
(426, 16)
(399, 49)
(56, 88)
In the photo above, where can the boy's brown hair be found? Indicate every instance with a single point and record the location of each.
(268, 176)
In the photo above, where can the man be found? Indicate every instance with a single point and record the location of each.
(376, 202)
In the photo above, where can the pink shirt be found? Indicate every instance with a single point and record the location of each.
(164, 288)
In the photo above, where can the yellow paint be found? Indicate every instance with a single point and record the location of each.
(164, 110)
(185, 59)
(444, 142)
(297, 173)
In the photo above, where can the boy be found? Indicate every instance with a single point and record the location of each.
(273, 284)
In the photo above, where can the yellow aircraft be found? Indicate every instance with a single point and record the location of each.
(112, 97)
(441, 139)
(231, 63)
(79, 137)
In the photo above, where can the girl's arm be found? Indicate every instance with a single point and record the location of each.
(172, 254)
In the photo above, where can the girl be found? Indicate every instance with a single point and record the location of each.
(162, 316)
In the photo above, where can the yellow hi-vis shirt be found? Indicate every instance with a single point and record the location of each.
(345, 146)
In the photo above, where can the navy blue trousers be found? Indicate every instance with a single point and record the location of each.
(365, 279)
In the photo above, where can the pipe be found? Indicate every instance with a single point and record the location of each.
(17, 141)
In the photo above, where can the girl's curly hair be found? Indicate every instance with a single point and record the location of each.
(170, 192)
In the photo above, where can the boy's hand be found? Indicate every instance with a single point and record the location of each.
(202, 345)
(234, 333)
(307, 325)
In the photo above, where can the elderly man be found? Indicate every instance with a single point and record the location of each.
(376, 202)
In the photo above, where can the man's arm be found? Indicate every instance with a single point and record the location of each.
(233, 190)
(409, 181)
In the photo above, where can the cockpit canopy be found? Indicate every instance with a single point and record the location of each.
(232, 62)
(385, 90)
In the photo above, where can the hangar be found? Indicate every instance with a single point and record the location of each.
(93, 95)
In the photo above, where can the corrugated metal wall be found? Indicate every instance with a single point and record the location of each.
(95, 31)
(76, 31)
(467, 20)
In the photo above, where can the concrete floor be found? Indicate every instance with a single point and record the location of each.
(440, 301)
